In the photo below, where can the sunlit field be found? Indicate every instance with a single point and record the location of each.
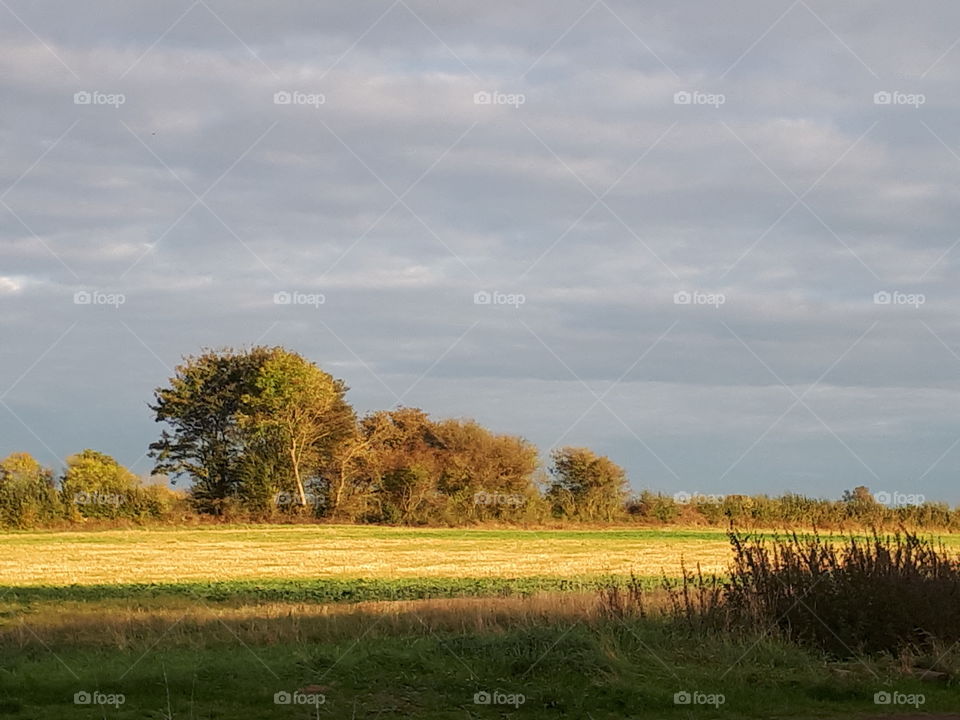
(341, 552)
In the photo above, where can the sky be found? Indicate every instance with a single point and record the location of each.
(714, 241)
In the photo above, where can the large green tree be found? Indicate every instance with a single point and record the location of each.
(204, 440)
(297, 409)
(243, 424)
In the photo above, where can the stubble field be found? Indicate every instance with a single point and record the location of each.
(170, 555)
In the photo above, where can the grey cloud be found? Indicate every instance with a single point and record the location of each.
(693, 199)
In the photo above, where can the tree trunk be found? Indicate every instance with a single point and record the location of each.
(338, 497)
(295, 460)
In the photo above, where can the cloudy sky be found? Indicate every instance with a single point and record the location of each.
(716, 241)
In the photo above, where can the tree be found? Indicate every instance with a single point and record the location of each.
(346, 481)
(27, 493)
(96, 485)
(862, 506)
(201, 405)
(484, 474)
(404, 467)
(586, 485)
(860, 494)
(297, 408)
(400, 464)
(247, 423)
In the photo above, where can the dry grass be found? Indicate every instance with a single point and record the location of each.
(212, 554)
(182, 622)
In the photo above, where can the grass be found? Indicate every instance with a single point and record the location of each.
(312, 591)
(205, 624)
(424, 659)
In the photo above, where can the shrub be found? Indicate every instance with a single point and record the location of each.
(95, 485)
(27, 494)
(884, 593)
(846, 596)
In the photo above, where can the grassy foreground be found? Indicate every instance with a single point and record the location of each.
(538, 657)
(348, 622)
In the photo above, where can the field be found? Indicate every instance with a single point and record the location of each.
(346, 552)
(215, 622)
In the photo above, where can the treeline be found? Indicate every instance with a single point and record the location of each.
(858, 509)
(265, 435)
(92, 486)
